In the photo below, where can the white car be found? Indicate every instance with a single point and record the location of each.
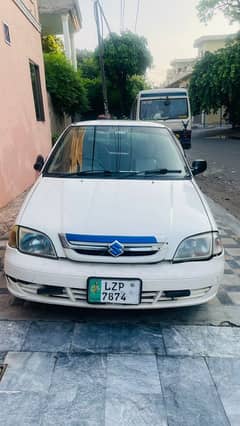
(115, 220)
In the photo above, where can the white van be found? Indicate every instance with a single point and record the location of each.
(169, 106)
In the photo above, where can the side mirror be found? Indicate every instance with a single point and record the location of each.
(198, 166)
(38, 165)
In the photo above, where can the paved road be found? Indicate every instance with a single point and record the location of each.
(221, 152)
(221, 181)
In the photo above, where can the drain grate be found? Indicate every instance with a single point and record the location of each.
(2, 370)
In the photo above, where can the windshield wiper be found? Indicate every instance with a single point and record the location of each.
(160, 171)
(152, 172)
(123, 175)
(89, 173)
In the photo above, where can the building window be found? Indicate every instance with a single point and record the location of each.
(37, 91)
(6, 33)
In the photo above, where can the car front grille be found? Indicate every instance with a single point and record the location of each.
(104, 252)
(99, 252)
(79, 295)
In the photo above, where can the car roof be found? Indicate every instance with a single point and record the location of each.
(165, 90)
(123, 123)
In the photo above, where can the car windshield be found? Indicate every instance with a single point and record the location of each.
(119, 151)
(163, 109)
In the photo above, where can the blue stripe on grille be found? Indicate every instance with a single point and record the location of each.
(83, 238)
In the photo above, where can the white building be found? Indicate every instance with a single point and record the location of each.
(181, 69)
(62, 17)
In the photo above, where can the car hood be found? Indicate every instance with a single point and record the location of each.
(175, 124)
(170, 210)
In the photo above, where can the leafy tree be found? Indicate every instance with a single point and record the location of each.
(215, 82)
(205, 86)
(93, 88)
(88, 69)
(134, 85)
(208, 8)
(125, 55)
(52, 44)
(64, 85)
(88, 64)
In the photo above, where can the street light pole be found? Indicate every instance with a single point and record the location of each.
(101, 60)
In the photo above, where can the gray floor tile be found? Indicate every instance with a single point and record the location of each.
(117, 338)
(189, 393)
(226, 375)
(233, 264)
(91, 338)
(81, 408)
(135, 410)
(202, 340)
(78, 372)
(29, 372)
(2, 357)
(128, 374)
(137, 338)
(21, 408)
(224, 297)
(49, 336)
(12, 335)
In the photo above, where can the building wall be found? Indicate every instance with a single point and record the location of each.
(22, 136)
(32, 6)
(179, 72)
(210, 46)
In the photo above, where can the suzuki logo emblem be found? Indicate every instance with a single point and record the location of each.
(116, 249)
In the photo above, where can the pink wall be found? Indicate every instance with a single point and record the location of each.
(22, 137)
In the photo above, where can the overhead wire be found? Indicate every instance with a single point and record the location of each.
(99, 22)
(102, 31)
(123, 15)
(137, 15)
(104, 17)
(101, 17)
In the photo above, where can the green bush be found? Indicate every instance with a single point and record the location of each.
(64, 85)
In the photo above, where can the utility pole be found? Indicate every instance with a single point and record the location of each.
(101, 60)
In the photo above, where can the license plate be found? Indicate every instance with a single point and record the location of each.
(114, 291)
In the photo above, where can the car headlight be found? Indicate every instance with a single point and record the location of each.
(31, 242)
(199, 247)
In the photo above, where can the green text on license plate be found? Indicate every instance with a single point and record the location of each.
(116, 291)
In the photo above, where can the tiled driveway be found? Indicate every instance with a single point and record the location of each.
(182, 375)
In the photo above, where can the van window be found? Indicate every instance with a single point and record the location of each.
(163, 109)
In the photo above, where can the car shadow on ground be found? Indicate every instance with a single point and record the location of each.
(207, 314)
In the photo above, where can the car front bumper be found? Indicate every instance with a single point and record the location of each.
(27, 274)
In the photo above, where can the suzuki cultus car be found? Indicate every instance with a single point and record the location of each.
(115, 220)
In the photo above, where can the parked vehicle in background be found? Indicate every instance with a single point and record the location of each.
(169, 106)
(115, 220)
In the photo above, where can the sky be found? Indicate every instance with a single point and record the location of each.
(170, 27)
